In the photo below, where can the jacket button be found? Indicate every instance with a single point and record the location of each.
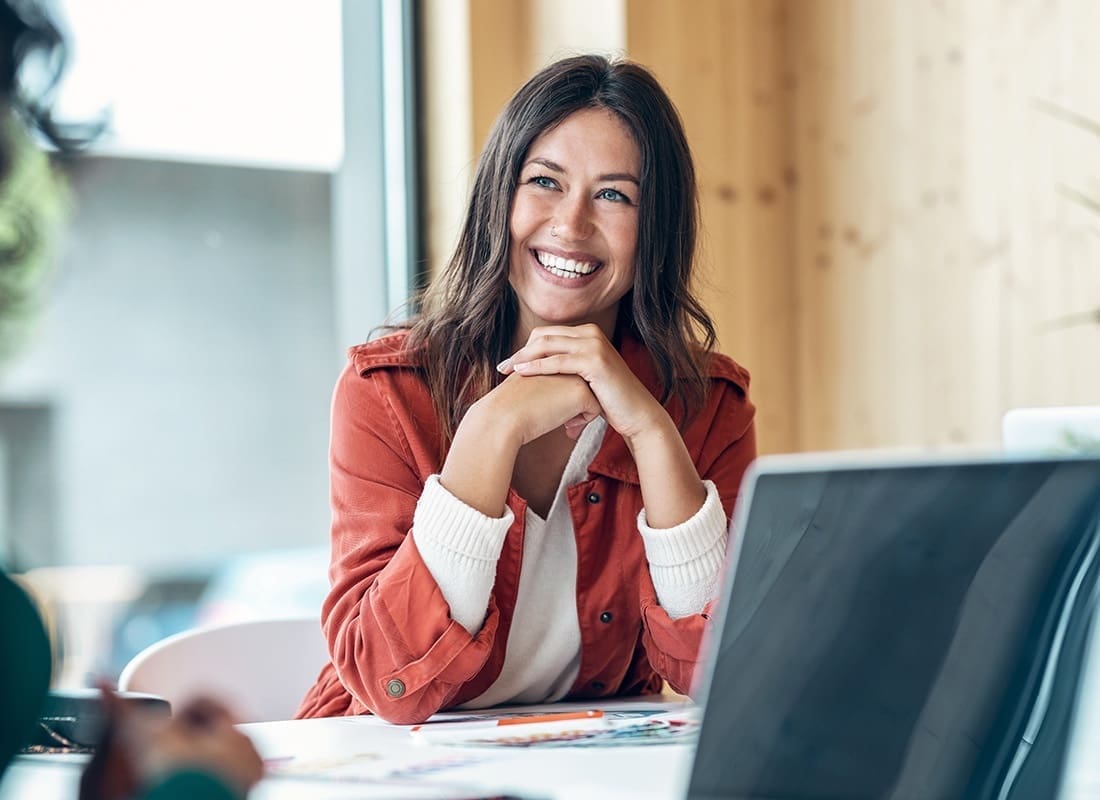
(395, 688)
(606, 617)
(593, 497)
(598, 686)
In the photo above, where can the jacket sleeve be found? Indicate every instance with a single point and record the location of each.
(392, 640)
(728, 447)
(686, 560)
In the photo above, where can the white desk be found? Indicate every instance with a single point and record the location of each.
(353, 748)
(363, 745)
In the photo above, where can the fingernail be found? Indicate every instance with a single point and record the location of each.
(522, 367)
(504, 365)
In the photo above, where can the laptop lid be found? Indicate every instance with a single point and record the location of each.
(900, 630)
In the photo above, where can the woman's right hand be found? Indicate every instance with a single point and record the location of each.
(478, 469)
(532, 406)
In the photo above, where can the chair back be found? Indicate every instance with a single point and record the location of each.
(261, 669)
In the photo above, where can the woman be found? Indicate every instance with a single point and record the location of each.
(531, 484)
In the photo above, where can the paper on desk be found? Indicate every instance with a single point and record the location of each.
(612, 709)
(621, 729)
(380, 754)
(368, 766)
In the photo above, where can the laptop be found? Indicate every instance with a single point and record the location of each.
(901, 630)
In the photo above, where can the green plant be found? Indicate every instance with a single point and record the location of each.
(32, 201)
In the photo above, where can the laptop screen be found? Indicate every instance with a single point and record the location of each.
(902, 632)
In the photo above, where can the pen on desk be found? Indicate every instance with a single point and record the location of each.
(561, 716)
(533, 719)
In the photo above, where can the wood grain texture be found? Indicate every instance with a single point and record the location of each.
(935, 251)
(723, 64)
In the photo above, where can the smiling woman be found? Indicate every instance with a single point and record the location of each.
(574, 226)
(531, 483)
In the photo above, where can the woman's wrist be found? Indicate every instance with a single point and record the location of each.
(672, 490)
(479, 464)
(654, 432)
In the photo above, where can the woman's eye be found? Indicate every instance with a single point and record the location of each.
(613, 195)
(543, 181)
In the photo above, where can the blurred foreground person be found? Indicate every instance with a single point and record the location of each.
(197, 753)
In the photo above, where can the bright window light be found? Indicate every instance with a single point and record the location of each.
(253, 82)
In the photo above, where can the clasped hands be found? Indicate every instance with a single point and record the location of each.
(567, 376)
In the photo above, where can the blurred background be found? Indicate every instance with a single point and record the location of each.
(901, 209)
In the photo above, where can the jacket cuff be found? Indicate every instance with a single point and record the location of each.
(460, 546)
(686, 561)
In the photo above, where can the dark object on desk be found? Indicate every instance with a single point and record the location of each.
(72, 721)
(24, 668)
(903, 631)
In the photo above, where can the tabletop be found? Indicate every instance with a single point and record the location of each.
(365, 757)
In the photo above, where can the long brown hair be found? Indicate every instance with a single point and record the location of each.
(469, 312)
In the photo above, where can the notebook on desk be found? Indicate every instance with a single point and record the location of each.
(901, 630)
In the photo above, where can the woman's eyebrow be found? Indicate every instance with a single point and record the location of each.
(619, 176)
(556, 167)
(550, 165)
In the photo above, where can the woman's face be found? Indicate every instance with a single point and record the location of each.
(574, 223)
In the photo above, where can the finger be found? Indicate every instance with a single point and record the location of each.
(123, 725)
(585, 365)
(112, 773)
(540, 348)
(549, 339)
(549, 365)
(113, 707)
(561, 338)
(586, 331)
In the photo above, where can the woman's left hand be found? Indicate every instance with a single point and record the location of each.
(583, 350)
(671, 489)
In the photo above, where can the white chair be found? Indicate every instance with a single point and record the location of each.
(260, 669)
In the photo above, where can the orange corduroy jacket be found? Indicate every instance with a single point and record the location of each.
(394, 649)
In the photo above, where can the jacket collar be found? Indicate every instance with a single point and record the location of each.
(613, 458)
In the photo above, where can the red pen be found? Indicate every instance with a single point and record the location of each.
(457, 726)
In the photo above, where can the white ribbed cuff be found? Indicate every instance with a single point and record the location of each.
(686, 561)
(460, 546)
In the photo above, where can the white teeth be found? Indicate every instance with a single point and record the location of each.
(565, 267)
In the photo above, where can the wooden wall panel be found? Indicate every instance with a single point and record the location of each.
(934, 250)
(893, 335)
(500, 45)
(723, 63)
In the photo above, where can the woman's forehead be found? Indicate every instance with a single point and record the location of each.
(590, 135)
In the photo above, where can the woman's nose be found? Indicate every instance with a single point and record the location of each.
(573, 219)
